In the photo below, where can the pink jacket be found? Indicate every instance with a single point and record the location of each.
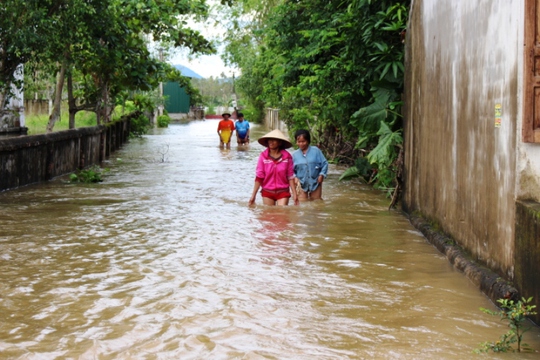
(274, 174)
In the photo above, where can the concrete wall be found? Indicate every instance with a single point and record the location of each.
(37, 107)
(463, 59)
(12, 116)
(528, 176)
(466, 167)
(30, 159)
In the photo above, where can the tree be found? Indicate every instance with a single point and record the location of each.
(215, 91)
(245, 48)
(111, 54)
(24, 26)
(100, 46)
(327, 65)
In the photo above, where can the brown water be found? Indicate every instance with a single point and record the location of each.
(164, 260)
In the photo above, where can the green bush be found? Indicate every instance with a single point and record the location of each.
(139, 126)
(129, 106)
(91, 175)
(123, 109)
(144, 102)
(163, 121)
(252, 115)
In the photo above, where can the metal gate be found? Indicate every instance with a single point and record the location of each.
(177, 101)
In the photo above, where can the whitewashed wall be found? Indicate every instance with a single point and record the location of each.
(16, 102)
(464, 58)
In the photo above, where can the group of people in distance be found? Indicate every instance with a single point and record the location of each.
(280, 175)
(226, 127)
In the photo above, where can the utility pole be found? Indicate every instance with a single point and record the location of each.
(234, 102)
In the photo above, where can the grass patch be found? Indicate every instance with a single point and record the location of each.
(37, 124)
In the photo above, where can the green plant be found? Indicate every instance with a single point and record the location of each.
(139, 126)
(90, 175)
(380, 126)
(362, 169)
(144, 102)
(515, 313)
(163, 121)
(86, 118)
(252, 114)
(129, 106)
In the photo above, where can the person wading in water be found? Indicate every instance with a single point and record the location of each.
(275, 171)
(225, 130)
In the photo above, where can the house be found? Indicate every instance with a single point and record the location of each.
(12, 119)
(472, 130)
(178, 101)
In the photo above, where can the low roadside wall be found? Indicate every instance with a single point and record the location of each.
(30, 159)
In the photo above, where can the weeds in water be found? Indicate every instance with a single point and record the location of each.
(515, 313)
(91, 175)
(163, 151)
(163, 154)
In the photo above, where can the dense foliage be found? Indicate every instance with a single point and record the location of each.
(99, 49)
(334, 67)
(163, 121)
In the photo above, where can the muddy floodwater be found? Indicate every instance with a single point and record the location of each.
(165, 260)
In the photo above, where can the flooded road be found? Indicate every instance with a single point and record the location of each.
(165, 260)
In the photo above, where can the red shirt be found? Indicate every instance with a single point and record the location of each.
(226, 125)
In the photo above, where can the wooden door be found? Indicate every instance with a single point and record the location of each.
(531, 110)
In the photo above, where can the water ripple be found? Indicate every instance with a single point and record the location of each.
(164, 260)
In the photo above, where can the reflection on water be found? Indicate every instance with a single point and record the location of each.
(164, 259)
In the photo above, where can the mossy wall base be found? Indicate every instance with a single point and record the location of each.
(527, 251)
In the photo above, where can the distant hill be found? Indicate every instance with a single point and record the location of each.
(188, 72)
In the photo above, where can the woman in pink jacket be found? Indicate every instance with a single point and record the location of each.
(275, 171)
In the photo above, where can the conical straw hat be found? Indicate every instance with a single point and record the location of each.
(275, 134)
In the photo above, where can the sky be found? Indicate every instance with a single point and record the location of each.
(208, 65)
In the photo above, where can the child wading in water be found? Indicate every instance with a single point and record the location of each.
(242, 130)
